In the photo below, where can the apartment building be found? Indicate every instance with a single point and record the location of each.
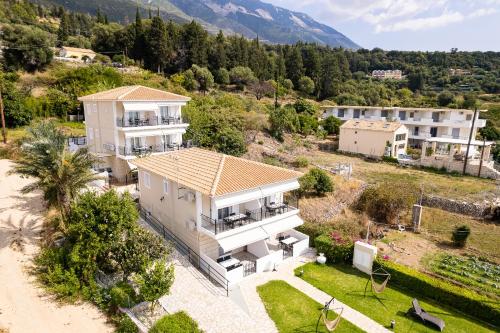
(422, 123)
(237, 215)
(127, 122)
(395, 74)
(373, 138)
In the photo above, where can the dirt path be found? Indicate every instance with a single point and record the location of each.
(24, 307)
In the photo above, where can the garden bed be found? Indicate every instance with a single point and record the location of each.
(347, 284)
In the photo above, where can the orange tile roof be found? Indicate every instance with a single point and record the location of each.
(212, 173)
(134, 93)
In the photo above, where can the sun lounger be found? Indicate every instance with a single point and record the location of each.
(418, 312)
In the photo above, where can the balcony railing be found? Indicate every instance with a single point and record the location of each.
(217, 226)
(162, 148)
(149, 121)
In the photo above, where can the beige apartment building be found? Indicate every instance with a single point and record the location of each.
(394, 74)
(77, 53)
(237, 215)
(127, 122)
(373, 138)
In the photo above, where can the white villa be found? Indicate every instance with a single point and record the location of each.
(131, 121)
(236, 216)
(422, 123)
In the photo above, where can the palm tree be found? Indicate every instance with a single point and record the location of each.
(59, 173)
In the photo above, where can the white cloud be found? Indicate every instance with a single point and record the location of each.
(395, 15)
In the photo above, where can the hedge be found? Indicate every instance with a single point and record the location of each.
(179, 322)
(334, 253)
(459, 298)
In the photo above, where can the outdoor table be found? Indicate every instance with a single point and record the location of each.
(276, 206)
(234, 218)
(229, 262)
(289, 241)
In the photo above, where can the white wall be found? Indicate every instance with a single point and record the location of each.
(267, 263)
(258, 249)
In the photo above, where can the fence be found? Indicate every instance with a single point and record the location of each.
(198, 262)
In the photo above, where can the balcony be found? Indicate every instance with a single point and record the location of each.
(238, 220)
(149, 121)
(135, 151)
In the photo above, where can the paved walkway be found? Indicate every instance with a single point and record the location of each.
(286, 273)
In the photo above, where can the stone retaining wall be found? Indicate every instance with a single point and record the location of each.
(478, 210)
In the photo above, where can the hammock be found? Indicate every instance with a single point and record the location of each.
(330, 325)
(378, 288)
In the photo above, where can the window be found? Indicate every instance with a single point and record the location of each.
(400, 137)
(165, 186)
(223, 212)
(147, 179)
(412, 114)
(340, 113)
(468, 117)
(384, 113)
(356, 113)
(90, 133)
(402, 115)
(434, 132)
(455, 133)
(363, 112)
(416, 130)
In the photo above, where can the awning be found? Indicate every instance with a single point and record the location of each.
(134, 106)
(235, 199)
(281, 188)
(282, 225)
(140, 132)
(241, 239)
(255, 194)
(131, 166)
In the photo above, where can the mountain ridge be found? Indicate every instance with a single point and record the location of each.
(250, 18)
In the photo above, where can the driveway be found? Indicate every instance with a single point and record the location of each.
(25, 307)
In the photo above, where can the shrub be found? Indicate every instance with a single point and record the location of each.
(386, 202)
(260, 142)
(301, 162)
(331, 124)
(230, 141)
(241, 76)
(155, 281)
(323, 181)
(222, 76)
(337, 249)
(460, 235)
(306, 85)
(459, 298)
(317, 180)
(179, 322)
(126, 325)
(390, 159)
(122, 295)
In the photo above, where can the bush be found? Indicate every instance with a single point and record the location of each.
(222, 76)
(459, 298)
(317, 180)
(179, 322)
(390, 159)
(126, 325)
(241, 76)
(386, 202)
(230, 141)
(336, 248)
(301, 162)
(460, 235)
(122, 295)
(323, 181)
(331, 124)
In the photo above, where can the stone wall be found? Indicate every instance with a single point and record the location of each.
(478, 210)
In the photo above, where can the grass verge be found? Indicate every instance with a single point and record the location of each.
(293, 311)
(347, 284)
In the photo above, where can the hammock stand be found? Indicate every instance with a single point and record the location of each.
(378, 288)
(330, 325)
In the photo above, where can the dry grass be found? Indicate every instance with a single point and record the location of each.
(455, 187)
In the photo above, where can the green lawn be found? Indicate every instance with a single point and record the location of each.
(347, 284)
(293, 311)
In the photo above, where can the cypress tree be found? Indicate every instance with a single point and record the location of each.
(158, 45)
(294, 65)
(63, 31)
(138, 49)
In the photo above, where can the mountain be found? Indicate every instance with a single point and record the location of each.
(249, 18)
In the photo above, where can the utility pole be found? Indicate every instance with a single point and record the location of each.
(470, 139)
(482, 156)
(4, 131)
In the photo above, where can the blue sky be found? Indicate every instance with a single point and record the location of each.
(409, 24)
